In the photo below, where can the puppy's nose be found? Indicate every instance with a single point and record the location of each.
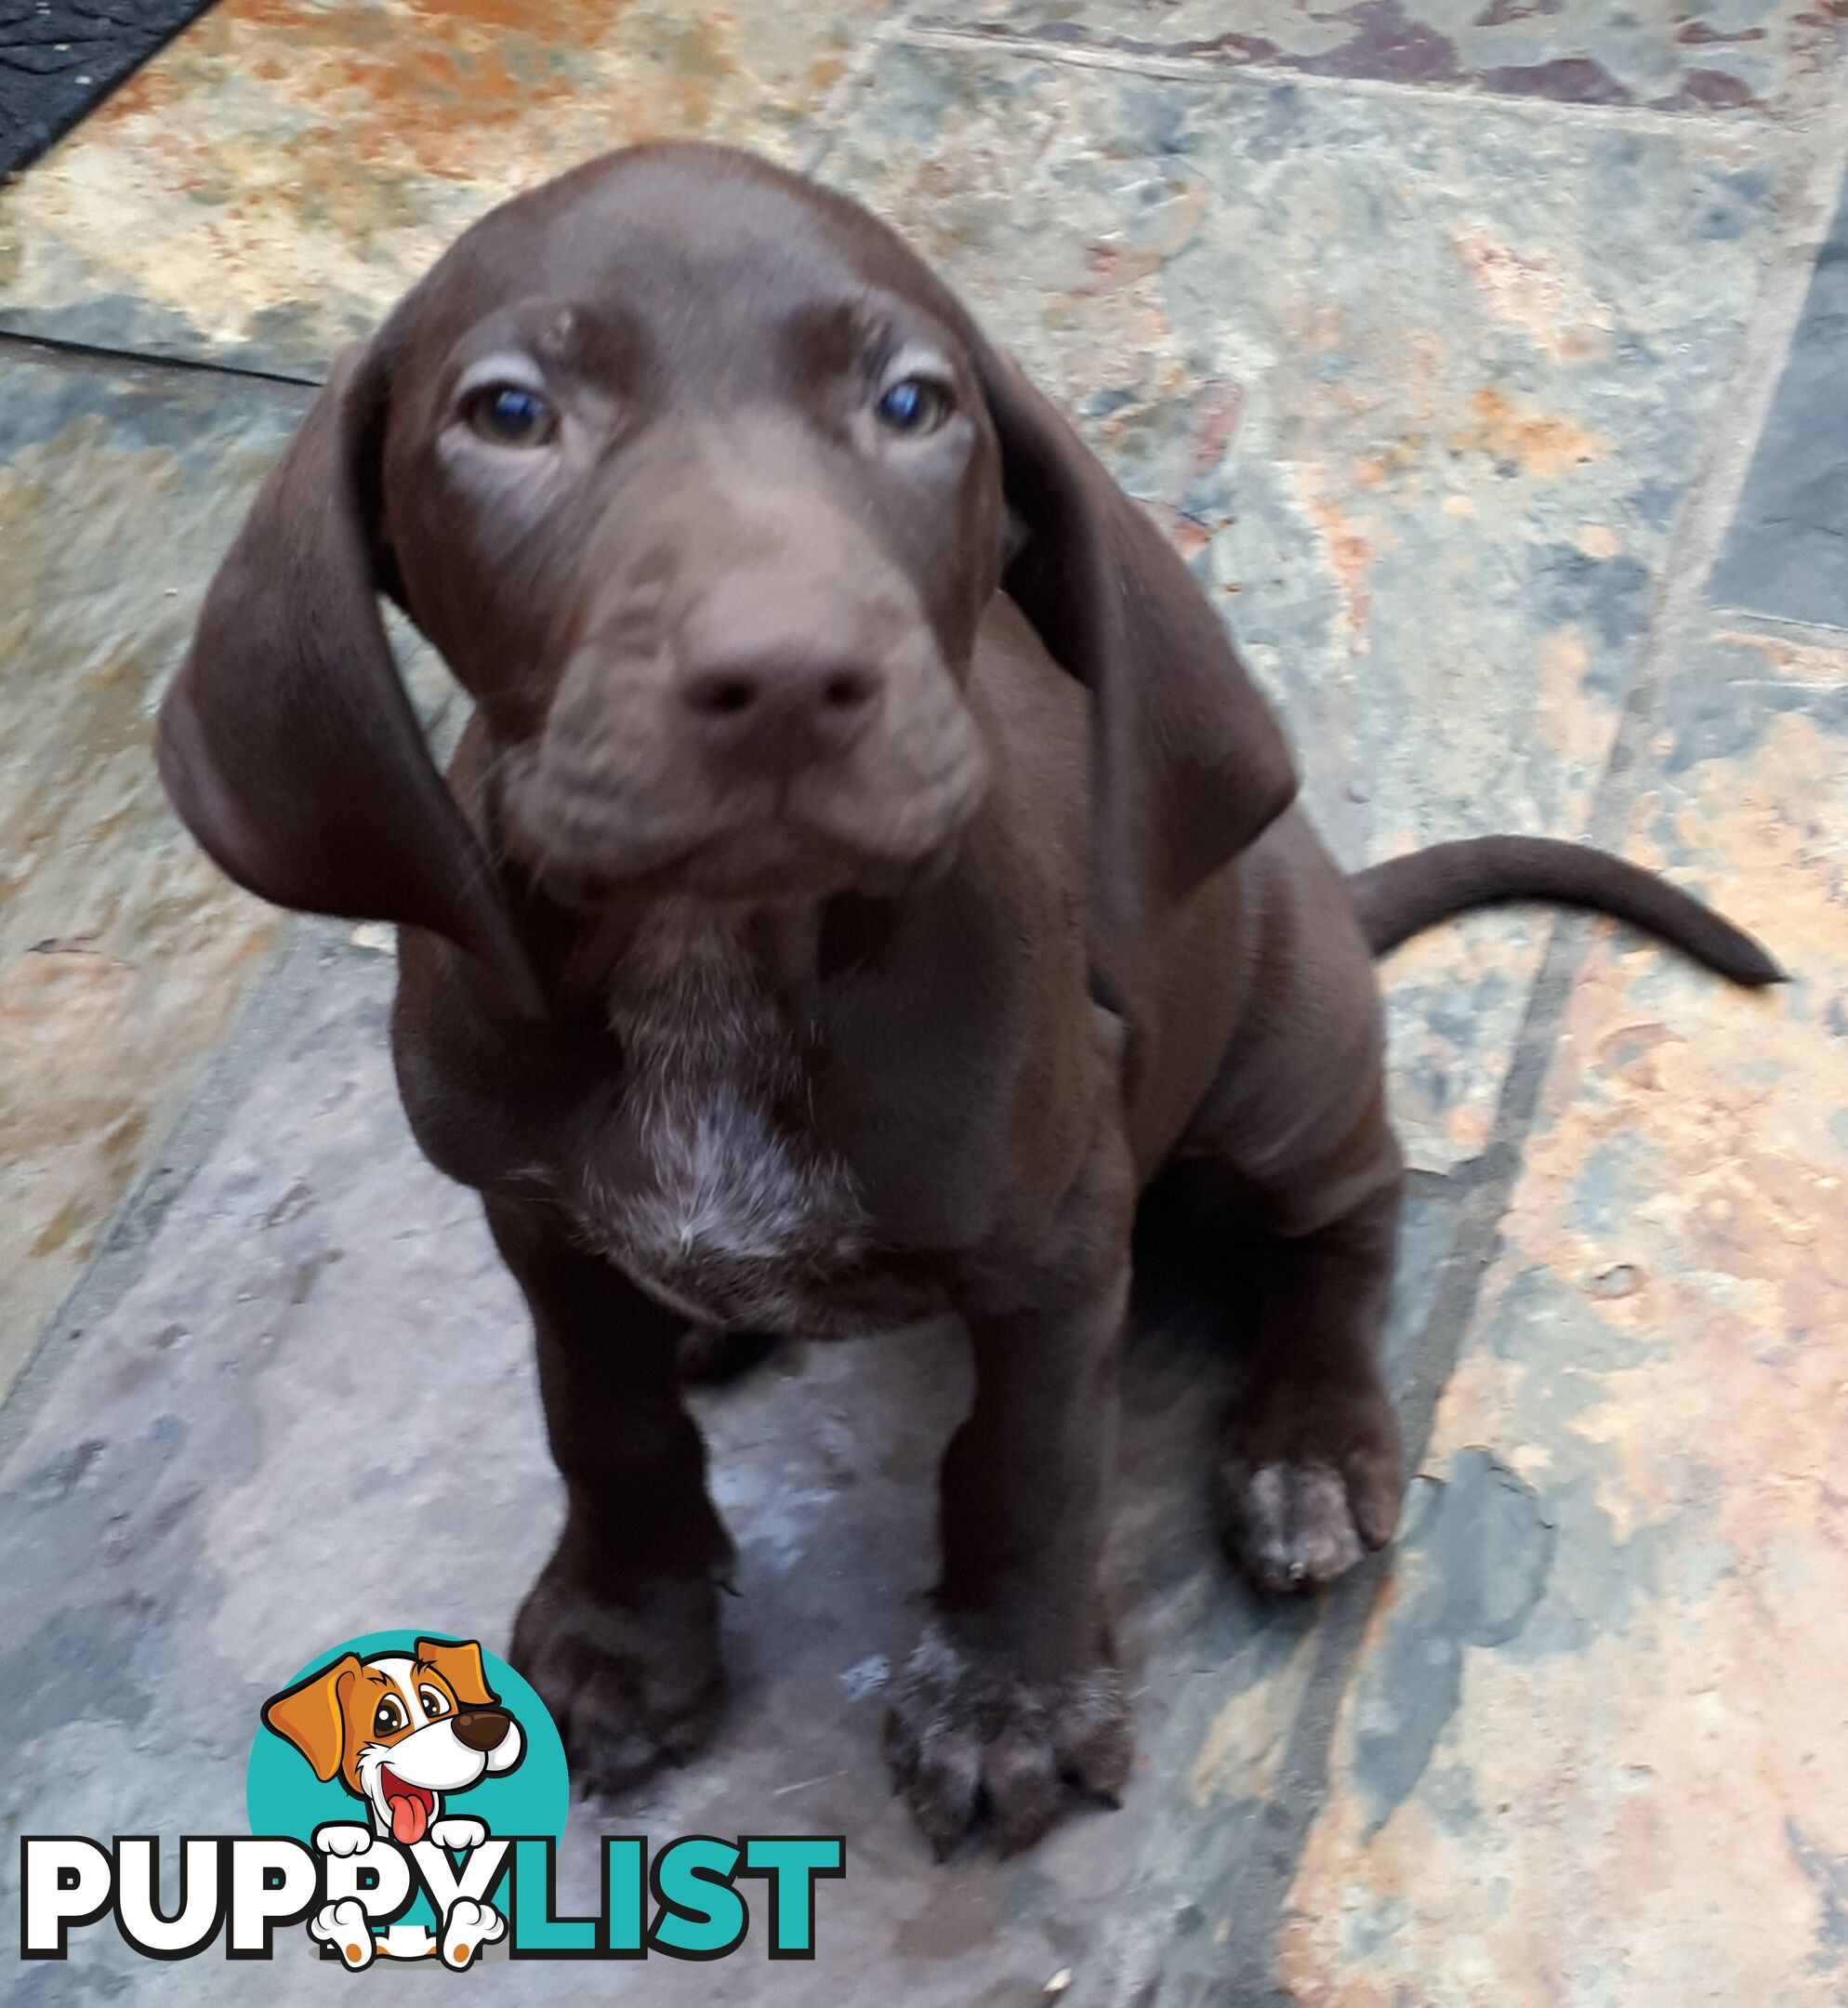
(776, 711)
(483, 1728)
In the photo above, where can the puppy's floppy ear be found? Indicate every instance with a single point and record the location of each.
(1189, 764)
(312, 1717)
(288, 742)
(460, 1663)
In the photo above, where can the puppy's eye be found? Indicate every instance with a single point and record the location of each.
(913, 404)
(435, 1703)
(508, 415)
(389, 1718)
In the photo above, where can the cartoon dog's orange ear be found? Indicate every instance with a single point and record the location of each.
(460, 1663)
(310, 1714)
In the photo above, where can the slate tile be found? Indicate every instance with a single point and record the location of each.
(1786, 553)
(1592, 1752)
(123, 952)
(271, 182)
(1764, 57)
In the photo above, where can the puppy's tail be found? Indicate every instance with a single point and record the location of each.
(1407, 894)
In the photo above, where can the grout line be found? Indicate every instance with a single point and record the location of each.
(90, 356)
(1208, 68)
(851, 83)
(1267, 1873)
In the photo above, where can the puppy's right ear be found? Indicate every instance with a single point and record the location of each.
(288, 740)
(310, 1715)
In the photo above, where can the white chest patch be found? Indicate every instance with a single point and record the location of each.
(726, 1205)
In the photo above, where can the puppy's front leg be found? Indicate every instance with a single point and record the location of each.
(1013, 1691)
(620, 1633)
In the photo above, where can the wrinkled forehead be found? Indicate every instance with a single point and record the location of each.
(694, 259)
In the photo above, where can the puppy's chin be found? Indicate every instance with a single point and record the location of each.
(767, 864)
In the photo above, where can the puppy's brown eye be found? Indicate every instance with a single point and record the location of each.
(508, 415)
(435, 1703)
(913, 404)
(390, 1717)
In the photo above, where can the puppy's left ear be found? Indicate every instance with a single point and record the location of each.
(460, 1663)
(1189, 765)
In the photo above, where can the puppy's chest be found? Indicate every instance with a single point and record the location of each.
(710, 1186)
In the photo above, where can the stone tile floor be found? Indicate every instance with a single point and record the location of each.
(1455, 344)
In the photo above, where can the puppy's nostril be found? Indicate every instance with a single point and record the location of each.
(848, 690)
(722, 696)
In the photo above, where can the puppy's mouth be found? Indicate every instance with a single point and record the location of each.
(411, 1808)
(768, 846)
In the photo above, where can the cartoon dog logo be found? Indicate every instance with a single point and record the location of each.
(403, 1733)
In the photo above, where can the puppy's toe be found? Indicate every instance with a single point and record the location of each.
(969, 1742)
(1288, 1526)
(629, 1683)
(1297, 1525)
(1308, 1485)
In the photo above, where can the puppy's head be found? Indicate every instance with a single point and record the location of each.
(399, 1730)
(690, 482)
(700, 482)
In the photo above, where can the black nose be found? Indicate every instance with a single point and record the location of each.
(483, 1728)
(774, 712)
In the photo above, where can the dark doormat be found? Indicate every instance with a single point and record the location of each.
(60, 59)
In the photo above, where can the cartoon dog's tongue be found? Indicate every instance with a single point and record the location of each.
(410, 1810)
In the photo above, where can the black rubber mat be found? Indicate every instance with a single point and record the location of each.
(60, 59)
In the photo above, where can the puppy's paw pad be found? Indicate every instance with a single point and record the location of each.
(628, 1684)
(469, 1927)
(969, 1739)
(1297, 1525)
(346, 1927)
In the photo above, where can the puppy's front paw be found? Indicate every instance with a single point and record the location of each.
(469, 1927)
(967, 1737)
(1299, 1507)
(458, 1831)
(346, 1927)
(342, 1837)
(630, 1678)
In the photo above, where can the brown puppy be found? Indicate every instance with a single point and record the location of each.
(867, 866)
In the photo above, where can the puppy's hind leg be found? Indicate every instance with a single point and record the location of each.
(1309, 1473)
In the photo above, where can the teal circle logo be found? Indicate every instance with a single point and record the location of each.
(287, 1793)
